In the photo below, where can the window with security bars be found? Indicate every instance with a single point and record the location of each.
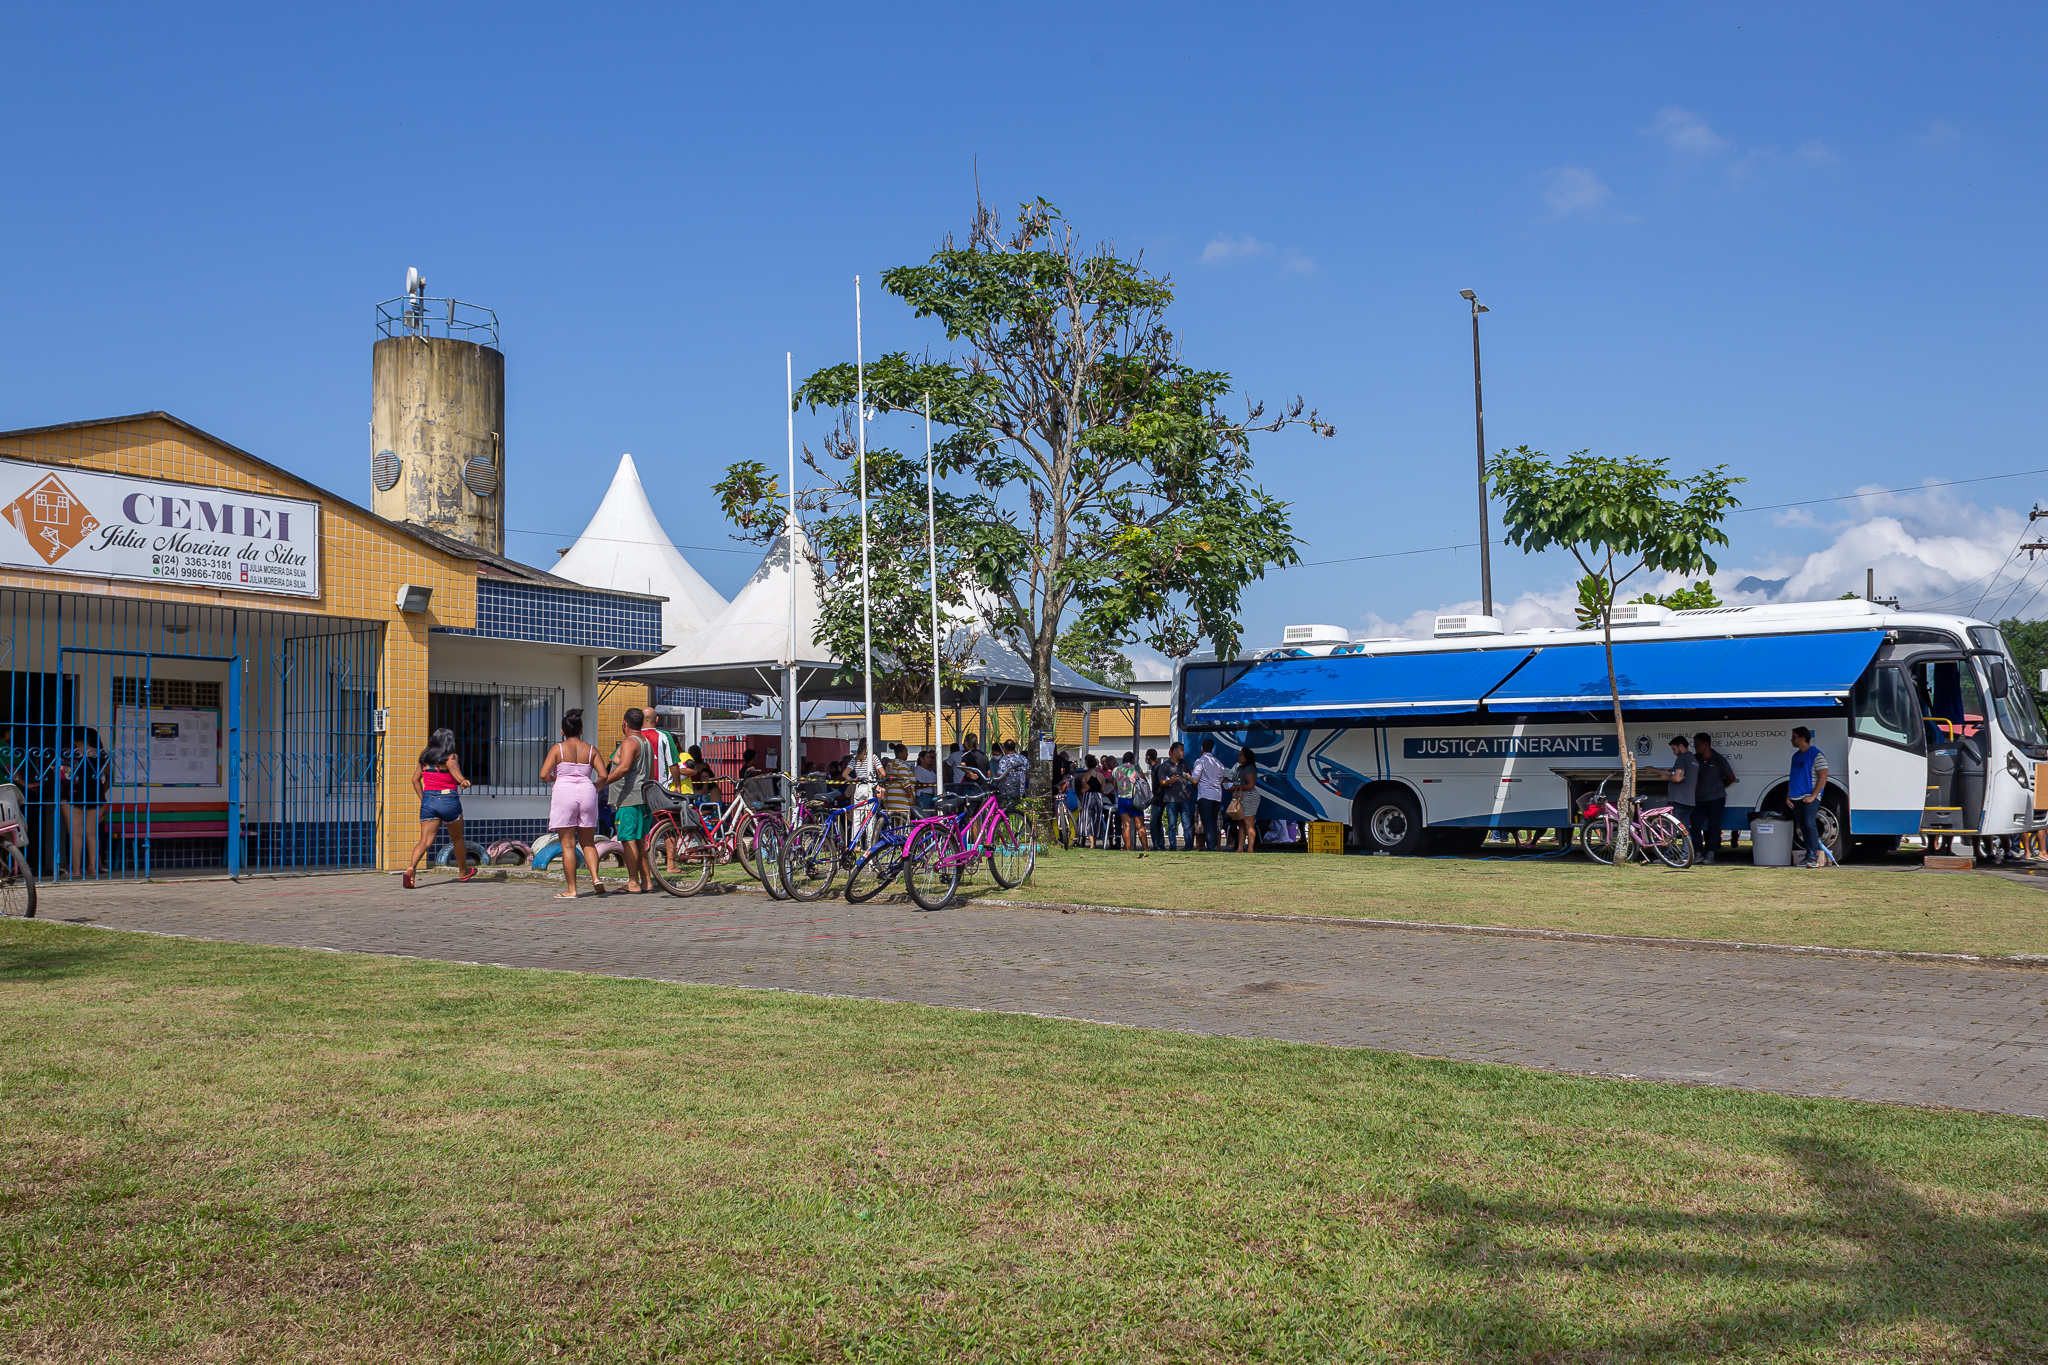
(166, 692)
(502, 733)
(350, 741)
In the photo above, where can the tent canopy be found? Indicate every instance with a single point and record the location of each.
(746, 646)
(1007, 673)
(625, 548)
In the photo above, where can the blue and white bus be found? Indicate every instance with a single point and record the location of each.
(1428, 744)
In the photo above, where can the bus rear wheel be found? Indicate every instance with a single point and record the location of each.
(1389, 821)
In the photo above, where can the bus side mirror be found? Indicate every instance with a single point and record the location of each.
(2001, 682)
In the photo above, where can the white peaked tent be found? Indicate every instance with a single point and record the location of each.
(625, 548)
(746, 647)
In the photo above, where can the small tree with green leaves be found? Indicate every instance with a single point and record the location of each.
(1617, 518)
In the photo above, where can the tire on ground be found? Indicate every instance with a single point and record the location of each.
(1388, 820)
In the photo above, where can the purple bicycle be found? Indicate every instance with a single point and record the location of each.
(939, 847)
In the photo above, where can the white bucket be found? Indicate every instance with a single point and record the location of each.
(1770, 841)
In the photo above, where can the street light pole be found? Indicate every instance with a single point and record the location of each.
(1479, 420)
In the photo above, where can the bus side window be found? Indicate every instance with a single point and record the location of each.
(1882, 709)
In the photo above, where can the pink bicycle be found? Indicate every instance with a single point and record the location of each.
(939, 847)
(1655, 830)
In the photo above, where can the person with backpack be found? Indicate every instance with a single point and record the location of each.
(1013, 776)
(1133, 796)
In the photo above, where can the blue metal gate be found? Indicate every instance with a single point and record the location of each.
(155, 738)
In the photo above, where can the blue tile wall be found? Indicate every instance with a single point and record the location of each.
(564, 616)
(700, 696)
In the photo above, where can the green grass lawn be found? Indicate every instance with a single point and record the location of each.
(1845, 907)
(227, 1153)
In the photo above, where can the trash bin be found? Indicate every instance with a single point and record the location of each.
(1770, 839)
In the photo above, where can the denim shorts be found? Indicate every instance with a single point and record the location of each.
(443, 806)
(1124, 806)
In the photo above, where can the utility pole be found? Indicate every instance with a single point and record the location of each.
(2034, 545)
(1479, 420)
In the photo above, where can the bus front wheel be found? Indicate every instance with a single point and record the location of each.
(1389, 821)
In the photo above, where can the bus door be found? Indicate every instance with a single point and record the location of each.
(1887, 777)
(1953, 714)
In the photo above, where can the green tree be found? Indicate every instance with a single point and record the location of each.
(1109, 490)
(1617, 517)
(1698, 597)
(1087, 653)
(2029, 641)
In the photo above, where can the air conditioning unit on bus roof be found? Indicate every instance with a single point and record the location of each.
(1640, 614)
(1315, 635)
(1456, 627)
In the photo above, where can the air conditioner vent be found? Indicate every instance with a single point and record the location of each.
(1454, 627)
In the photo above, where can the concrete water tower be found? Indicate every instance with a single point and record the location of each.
(437, 417)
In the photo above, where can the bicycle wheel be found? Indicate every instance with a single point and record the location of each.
(1597, 838)
(17, 886)
(743, 844)
(1015, 851)
(1668, 838)
(810, 862)
(687, 854)
(876, 869)
(931, 872)
(771, 843)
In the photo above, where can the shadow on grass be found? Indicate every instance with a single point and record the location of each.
(1867, 1256)
(48, 961)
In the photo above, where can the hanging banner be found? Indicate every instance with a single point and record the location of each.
(114, 526)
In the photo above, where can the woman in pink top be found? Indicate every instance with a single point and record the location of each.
(572, 811)
(439, 782)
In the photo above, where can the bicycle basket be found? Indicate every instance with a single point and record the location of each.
(760, 793)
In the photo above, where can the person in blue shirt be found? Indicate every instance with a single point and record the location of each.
(1809, 779)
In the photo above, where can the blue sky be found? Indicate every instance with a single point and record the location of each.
(1807, 246)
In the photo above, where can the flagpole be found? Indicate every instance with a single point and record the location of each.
(867, 643)
(931, 547)
(790, 739)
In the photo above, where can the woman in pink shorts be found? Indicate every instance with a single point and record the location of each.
(572, 811)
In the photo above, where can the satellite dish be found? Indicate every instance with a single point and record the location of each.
(415, 283)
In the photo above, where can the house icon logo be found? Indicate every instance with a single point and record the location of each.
(51, 518)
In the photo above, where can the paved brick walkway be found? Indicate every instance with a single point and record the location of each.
(1921, 1033)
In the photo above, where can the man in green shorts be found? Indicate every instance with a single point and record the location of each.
(632, 770)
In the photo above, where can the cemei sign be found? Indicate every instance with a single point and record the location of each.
(113, 526)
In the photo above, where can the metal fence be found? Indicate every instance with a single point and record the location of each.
(154, 737)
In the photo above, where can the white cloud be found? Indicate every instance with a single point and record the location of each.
(1573, 189)
(1684, 131)
(1150, 668)
(1297, 262)
(1928, 550)
(1229, 248)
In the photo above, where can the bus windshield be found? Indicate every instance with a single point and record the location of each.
(2017, 714)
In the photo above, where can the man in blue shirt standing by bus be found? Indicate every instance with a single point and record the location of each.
(1809, 780)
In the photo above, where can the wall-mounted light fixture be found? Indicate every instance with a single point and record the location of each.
(413, 597)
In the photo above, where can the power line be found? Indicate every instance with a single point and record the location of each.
(619, 540)
(1403, 554)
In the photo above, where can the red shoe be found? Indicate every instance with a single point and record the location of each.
(468, 875)
(406, 881)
